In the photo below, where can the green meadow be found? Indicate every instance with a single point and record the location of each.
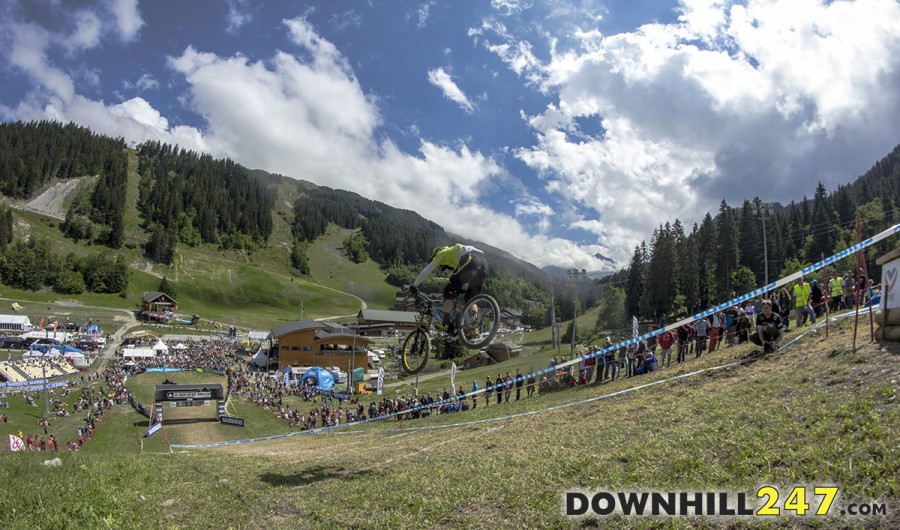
(816, 413)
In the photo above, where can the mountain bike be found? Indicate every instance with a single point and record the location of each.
(474, 322)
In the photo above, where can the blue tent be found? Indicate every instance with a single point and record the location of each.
(319, 376)
(70, 349)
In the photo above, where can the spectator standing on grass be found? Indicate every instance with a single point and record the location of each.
(488, 390)
(731, 317)
(590, 363)
(666, 340)
(630, 356)
(520, 381)
(701, 328)
(836, 291)
(529, 386)
(782, 306)
(474, 395)
(500, 385)
(612, 362)
(848, 284)
(802, 293)
(743, 328)
(507, 387)
(684, 340)
(815, 298)
(623, 358)
(714, 328)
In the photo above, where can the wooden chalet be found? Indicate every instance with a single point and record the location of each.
(157, 306)
(313, 343)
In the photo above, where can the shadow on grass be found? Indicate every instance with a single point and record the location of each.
(311, 476)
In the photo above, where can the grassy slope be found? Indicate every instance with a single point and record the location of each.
(254, 290)
(331, 268)
(813, 414)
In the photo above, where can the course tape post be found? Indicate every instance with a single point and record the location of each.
(500, 387)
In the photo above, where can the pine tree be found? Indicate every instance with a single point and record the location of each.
(660, 286)
(634, 288)
(822, 234)
(750, 241)
(727, 252)
(689, 270)
(706, 254)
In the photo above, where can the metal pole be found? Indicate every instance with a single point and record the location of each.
(554, 332)
(574, 328)
(46, 401)
(765, 248)
(352, 363)
(855, 287)
(826, 294)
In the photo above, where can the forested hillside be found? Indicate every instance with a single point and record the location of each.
(190, 198)
(681, 270)
(390, 235)
(193, 200)
(35, 153)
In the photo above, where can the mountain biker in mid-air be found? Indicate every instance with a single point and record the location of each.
(469, 269)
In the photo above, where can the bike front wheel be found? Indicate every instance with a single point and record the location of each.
(416, 348)
(479, 321)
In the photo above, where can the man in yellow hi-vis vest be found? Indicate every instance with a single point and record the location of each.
(801, 303)
(836, 292)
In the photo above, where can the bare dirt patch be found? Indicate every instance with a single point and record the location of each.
(54, 200)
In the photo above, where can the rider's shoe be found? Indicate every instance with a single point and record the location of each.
(447, 327)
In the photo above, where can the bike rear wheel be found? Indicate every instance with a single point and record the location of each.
(416, 348)
(479, 321)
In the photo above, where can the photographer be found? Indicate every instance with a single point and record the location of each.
(769, 328)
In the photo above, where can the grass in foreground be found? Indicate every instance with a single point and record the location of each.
(813, 414)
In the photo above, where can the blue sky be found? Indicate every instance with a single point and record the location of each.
(552, 129)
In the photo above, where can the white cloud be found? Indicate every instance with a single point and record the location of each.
(238, 15)
(147, 82)
(441, 79)
(28, 51)
(532, 206)
(87, 31)
(127, 18)
(423, 13)
(731, 101)
(763, 98)
(510, 7)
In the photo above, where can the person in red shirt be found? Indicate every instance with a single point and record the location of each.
(666, 340)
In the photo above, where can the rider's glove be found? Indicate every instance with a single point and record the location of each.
(413, 289)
